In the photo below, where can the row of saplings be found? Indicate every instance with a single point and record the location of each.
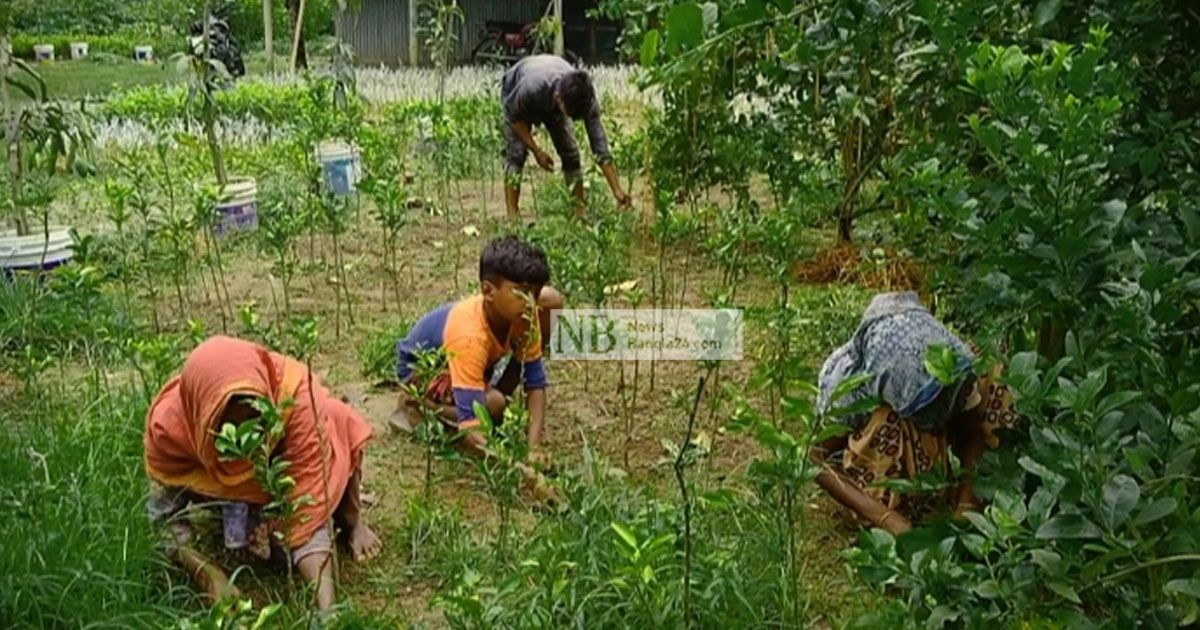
(46, 135)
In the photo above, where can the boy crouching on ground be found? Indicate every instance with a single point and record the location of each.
(476, 333)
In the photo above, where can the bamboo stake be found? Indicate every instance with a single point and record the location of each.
(296, 37)
(269, 35)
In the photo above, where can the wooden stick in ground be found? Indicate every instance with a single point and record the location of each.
(852, 497)
(268, 35)
(298, 34)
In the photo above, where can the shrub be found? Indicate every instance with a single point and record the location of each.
(119, 44)
(377, 355)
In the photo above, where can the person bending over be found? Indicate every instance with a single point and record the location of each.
(919, 419)
(323, 439)
(546, 90)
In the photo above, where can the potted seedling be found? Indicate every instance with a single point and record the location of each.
(341, 163)
(38, 138)
(237, 197)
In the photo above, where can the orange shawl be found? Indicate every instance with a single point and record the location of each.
(186, 415)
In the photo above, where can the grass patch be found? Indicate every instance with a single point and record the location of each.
(74, 80)
(79, 548)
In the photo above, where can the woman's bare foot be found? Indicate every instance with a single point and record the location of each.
(364, 543)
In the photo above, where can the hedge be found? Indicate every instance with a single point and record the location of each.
(121, 44)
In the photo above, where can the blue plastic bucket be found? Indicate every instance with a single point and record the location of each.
(238, 207)
(341, 166)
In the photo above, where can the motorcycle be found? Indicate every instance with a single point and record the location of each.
(505, 43)
(222, 46)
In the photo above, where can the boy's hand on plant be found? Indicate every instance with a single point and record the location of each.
(624, 200)
(544, 160)
(542, 490)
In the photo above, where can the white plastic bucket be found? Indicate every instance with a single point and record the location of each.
(144, 54)
(79, 50)
(43, 52)
(238, 206)
(34, 252)
(341, 165)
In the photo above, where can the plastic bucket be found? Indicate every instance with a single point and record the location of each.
(43, 52)
(238, 206)
(79, 50)
(34, 252)
(341, 165)
(143, 53)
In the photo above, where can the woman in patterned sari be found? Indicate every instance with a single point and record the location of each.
(918, 421)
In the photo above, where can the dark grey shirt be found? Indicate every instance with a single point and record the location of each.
(527, 94)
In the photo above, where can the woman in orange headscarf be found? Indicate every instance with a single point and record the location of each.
(323, 441)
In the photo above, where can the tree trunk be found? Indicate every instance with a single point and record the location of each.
(10, 125)
(269, 35)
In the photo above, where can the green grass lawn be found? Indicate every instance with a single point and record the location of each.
(73, 80)
(79, 79)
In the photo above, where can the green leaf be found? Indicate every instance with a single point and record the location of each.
(647, 574)
(941, 363)
(1121, 495)
(660, 541)
(1181, 464)
(266, 615)
(1052, 478)
(1049, 561)
(834, 429)
(1064, 590)
(988, 589)
(927, 49)
(1190, 587)
(1040, 504)
(773, 437)
(1068, 526)
(862, 407)
(1046, 11)
(685, 27)
(982, 524)
(751, 11)
(625, 535)
(650, 48)
(848, 384)
(941, 615)
(24, 88)
(1160, 509)
(1116, 401)
(1012, 61)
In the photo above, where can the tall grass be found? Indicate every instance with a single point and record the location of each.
(78, 549)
